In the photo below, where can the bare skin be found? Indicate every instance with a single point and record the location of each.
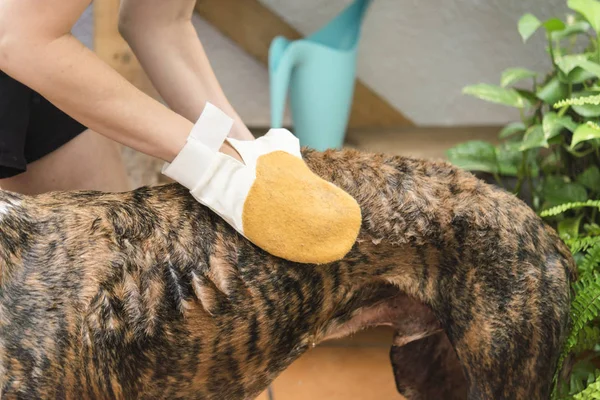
(164, 40)
(37, 49)
(89, 161)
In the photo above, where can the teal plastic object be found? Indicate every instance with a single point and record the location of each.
(319, 73)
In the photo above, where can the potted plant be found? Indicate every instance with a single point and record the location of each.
(553, 156)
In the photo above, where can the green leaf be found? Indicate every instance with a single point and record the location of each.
(570, 62)
(534, 137)
(514, 75)
(584, 306)
(592, 391)
(510, 157)
(591, 259)
(574, 28)
(584, 133)
(590, 9)
(554, 25)
(557, 191)
(577, 75)
(555, 140)
(590, 66)
(561, 208)
(553, 91)
(587, 339)
(569, 228)
(590, 178)
(593, 229)
(587, 109)
(511, 129)
(581, 244)
(577, 68)
(580, 99)
(528, 95)
(474, 156)
(569, 123)
(495, 94)
(528, 24)
(553, 124)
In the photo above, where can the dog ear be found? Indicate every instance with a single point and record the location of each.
(428, 369)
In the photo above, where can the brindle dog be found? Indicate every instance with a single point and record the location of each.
(149, 295)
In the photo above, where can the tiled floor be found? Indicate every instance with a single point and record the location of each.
(356, 368)
(348, 370)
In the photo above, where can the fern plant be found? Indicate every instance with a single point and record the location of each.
(551, 159)
(591, 390)
(584, 337)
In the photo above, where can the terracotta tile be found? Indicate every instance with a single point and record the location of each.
(338, 373)
(263, 396)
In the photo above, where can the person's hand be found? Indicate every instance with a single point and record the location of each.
(240, 131)
(228, 149)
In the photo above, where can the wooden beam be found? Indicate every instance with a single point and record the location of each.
(253, 26)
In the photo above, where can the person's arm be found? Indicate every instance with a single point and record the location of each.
(163, 38)
(37, 49)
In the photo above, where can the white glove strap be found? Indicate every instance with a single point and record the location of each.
(202, 146)
(217, 180)
(212, 127)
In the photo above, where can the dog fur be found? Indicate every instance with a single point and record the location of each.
(149, 295)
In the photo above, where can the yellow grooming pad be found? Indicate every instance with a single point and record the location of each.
(292, 213)
(272, 198)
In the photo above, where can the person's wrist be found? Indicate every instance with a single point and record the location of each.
(175, 142)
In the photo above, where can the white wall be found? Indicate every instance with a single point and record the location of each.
(418, 54)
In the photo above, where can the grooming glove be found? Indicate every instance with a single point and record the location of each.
(272, 198)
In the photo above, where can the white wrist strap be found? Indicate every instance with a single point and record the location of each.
(217, 180)
(203, 143)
